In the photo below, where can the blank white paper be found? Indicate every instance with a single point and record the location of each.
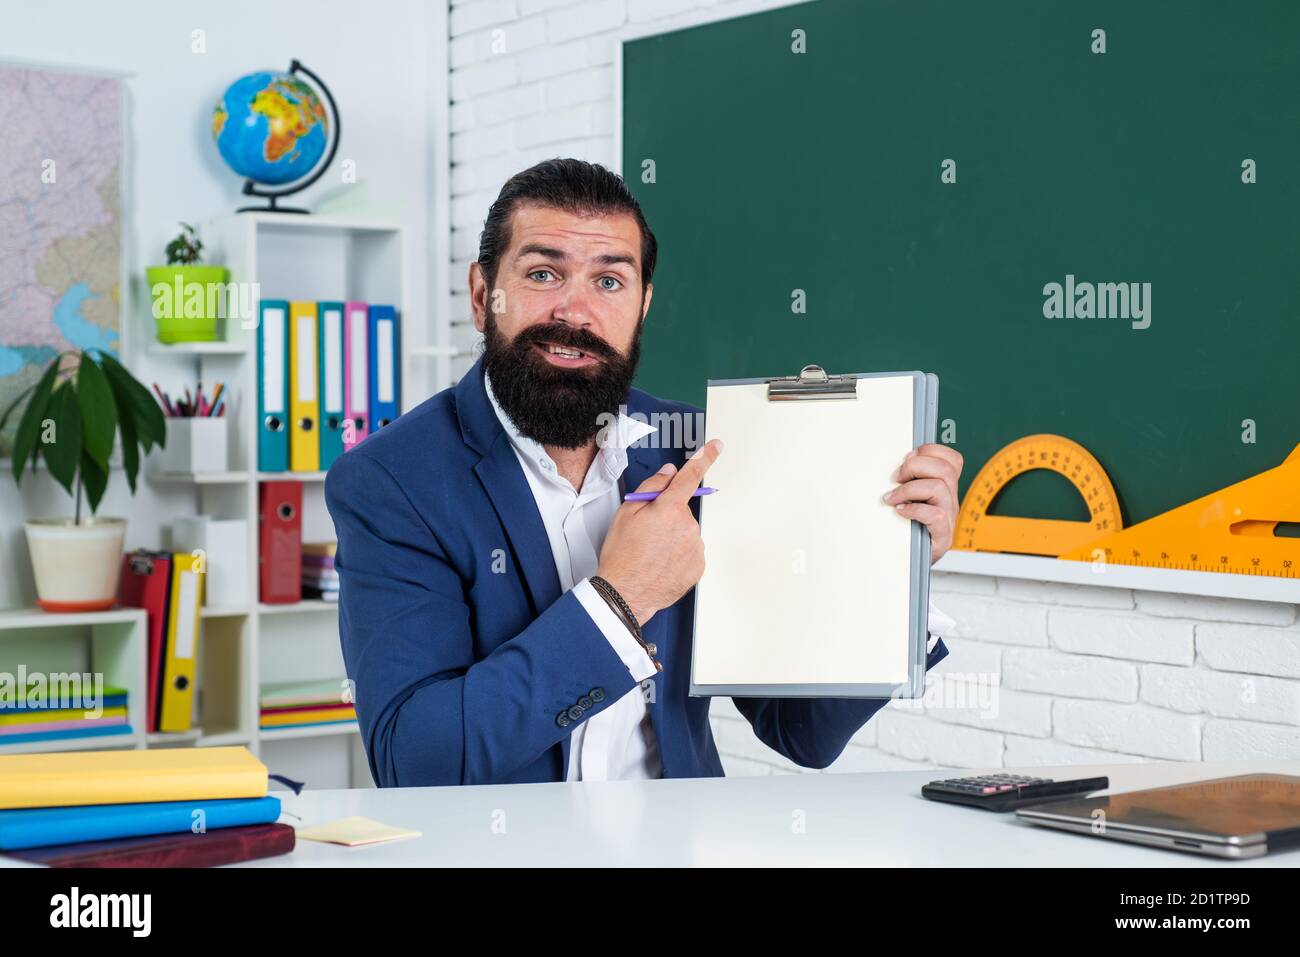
(807, 572)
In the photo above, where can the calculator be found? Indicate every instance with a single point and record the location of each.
(1007, 792)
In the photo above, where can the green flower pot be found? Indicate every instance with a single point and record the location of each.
(187, 302)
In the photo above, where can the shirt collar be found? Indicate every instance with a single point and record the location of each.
(612, 441)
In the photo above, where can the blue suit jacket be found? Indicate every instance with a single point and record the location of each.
(464, 652)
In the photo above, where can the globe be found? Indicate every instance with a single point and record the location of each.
(270, 127)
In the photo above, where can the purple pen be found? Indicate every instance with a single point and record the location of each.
(651, 496)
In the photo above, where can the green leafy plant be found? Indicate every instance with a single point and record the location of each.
(76, 408)
(186, 249)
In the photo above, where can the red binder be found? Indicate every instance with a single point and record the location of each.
(279, 553)
(146, 583)
(224, 845)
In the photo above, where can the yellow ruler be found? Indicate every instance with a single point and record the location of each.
(979, 531)
(1230, 530)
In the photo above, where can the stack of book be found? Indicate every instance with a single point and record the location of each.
(190, 807)
(67, 713)
(319, 579)
(298, 704)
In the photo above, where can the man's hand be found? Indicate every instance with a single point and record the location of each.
(928, 492)
(653, 553)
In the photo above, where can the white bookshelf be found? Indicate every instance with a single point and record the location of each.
(112, 643)
(289, 257)
(245, 645)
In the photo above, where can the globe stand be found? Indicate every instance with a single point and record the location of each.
(273, 195)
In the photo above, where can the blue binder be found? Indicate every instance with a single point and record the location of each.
(43, 826)
(329, 329)
(385, 366)
(273, 386)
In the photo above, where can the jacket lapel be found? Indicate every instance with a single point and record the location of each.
(503, 479)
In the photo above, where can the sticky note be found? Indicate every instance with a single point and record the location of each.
(354, 831)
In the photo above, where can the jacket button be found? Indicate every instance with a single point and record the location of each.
(597, 695)
(586, 702)
(574, 713)
(562, 719)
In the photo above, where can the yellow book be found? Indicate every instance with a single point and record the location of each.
(308, 717)
(304, 397)
(70, 778)
(62, 714)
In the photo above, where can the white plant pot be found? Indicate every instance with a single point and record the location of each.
(76, 566)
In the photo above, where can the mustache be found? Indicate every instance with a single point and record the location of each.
(569, 336)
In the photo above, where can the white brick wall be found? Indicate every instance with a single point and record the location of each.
(532, 79)
(1089, 675)
(1081, 674)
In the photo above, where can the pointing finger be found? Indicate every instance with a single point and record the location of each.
(688, 479)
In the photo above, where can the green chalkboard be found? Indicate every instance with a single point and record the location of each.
(822, 171)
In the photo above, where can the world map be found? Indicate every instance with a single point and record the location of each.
(60, 222)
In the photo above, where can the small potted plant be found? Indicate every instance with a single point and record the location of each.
(76, 408)
(187, 295)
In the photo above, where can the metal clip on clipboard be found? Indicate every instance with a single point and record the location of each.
(812, 382)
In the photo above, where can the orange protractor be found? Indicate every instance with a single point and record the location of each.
(980, 531)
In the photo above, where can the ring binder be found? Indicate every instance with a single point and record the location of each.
(812, 382)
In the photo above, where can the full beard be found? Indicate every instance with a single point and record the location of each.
(549, 404)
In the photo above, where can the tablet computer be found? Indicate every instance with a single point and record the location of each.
(1236, 817)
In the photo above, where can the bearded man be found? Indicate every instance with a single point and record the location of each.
(506, 617)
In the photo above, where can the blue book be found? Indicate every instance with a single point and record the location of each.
(89, 732)
(306, 724)
(45, 826)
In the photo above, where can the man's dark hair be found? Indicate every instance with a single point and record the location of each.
(573, 185)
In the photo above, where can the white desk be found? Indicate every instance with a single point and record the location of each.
(849, 819)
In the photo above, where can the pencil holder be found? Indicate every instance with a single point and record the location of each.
(194, 444)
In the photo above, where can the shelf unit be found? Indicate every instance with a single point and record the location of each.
(112, 643)
(245, 644)
(279, 256)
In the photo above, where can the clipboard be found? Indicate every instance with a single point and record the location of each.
(760, 632)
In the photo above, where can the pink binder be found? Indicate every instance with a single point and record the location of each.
(356, 384)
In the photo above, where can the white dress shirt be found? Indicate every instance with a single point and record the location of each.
(619, 742)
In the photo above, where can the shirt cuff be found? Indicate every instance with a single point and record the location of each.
(940, 626)
(627, 648)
